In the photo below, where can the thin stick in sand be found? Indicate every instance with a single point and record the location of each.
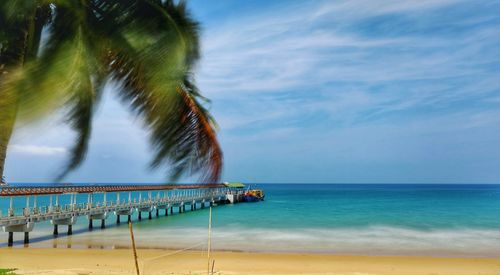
(133, 248)
(209, 239)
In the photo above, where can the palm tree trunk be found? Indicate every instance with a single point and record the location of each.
(24, 40)
(8, 111)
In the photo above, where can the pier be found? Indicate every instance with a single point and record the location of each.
(164, 198)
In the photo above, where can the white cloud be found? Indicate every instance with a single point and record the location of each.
(37, 150)
(293, 47)
(283, 63)
(364, 8)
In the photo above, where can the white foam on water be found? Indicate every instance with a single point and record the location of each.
(376, 240)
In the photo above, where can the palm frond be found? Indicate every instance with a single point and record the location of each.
(187, 141)
(80, 120)
(149, 46)
(156, 85)
(85, 89)
(65, 76)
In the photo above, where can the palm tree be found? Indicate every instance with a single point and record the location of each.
(147, 47)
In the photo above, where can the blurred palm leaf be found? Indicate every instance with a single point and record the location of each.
(149, 48)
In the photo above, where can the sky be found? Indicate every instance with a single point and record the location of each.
(319, 92)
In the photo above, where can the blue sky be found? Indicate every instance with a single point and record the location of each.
(320, 91)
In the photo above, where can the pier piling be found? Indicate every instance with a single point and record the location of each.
(117, 218)
(70, 229)
(150, 216)
(157, 212)
(26, 237)
(10, 242)
(140, 216)
(129, 218)
(56, 232)
(103, 223)
(91, 224)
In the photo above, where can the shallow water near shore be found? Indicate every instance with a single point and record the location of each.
(367, 219)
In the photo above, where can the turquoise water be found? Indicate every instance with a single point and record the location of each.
(365, 219)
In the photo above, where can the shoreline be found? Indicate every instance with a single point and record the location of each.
(161, 261)
(370, 241)
(430, 254)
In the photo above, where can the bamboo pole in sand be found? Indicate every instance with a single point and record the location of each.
(133, 248)
(209, 239)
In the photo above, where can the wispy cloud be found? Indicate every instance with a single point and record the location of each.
(365, 8)
(37, 150)
(352, 60)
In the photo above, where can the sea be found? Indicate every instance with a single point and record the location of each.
(455, 220)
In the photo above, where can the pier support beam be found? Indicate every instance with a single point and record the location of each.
(166, 211)
(117, 218)
(24, 228)
(157, 212)
(103, 223)
(91, 224)
(171, 210)
(183, 208)
(140, 215)
(10, 242)
(63, 221)
(129, 218)
(150, 216)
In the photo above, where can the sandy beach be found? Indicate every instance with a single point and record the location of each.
(120, 261)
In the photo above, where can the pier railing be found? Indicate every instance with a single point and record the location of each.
(24, 219)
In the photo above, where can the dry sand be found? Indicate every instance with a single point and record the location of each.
(120, 261)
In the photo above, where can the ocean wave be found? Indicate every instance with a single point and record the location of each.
(377, 240)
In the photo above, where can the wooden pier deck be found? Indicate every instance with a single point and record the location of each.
(166, 198)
